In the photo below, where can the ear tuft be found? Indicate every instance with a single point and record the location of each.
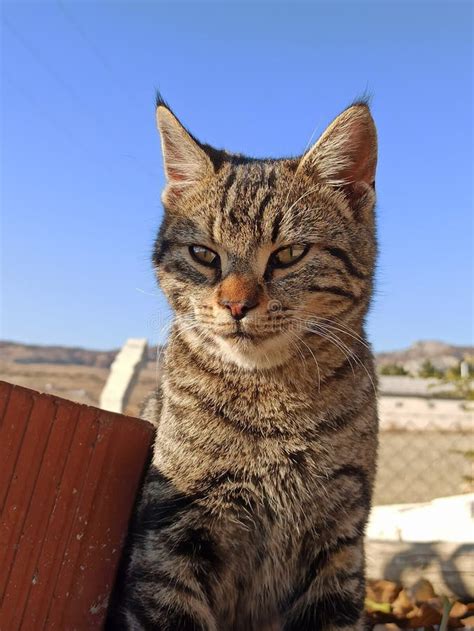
(185, 161)
(345, 156)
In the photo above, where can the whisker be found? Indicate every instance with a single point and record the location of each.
(147, 293)
(305, 194)
(301, 160)
(354, 355)
(316, 361)
(332, 322)
(345, 350)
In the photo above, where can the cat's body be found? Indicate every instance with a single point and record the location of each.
(254, 508)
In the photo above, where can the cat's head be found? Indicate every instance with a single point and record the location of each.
(253, 255)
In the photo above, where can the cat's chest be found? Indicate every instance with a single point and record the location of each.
(240, 445)
(252, 429)
(251, 400)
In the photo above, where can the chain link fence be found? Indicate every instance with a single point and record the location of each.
(426, 442)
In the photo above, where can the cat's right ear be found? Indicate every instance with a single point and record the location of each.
(345, 157)
(185, 162)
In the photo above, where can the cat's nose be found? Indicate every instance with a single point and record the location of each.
(239, 293)
(239, 310)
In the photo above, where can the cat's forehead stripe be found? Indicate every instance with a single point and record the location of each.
(269, 178)
(229, 182)
(247, 192)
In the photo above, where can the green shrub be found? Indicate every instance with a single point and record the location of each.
(427, 370)
(393, 370)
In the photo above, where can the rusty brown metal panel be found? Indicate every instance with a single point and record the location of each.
(23, 574)
(13, 425)
(55, 552)
(5, 389)
(69, 476)
(20, 490)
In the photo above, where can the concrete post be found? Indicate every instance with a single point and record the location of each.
(124, 374)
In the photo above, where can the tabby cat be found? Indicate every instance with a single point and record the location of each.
(253, 511)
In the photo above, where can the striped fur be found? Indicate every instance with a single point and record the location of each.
(253, 512)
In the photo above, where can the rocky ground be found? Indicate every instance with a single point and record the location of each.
(389, 606)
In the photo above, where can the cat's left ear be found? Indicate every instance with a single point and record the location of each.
(185, 162)
(345, 156)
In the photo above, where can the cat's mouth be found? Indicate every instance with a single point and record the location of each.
(252, 349)
(244, 336)
(240, 335)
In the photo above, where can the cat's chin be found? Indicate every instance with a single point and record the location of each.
(246, 351)
(252, 354)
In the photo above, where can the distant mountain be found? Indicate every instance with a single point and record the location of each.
(35, 354)
(441, 354)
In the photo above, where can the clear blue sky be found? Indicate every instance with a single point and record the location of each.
(81, 164)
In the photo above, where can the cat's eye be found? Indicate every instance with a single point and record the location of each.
(288, 255)
(204, 255)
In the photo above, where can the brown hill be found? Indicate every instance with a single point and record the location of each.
(440, 354)
(63, 355)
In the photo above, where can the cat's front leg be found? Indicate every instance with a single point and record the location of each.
(331, 596)
(164, 600)
(174, 563)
